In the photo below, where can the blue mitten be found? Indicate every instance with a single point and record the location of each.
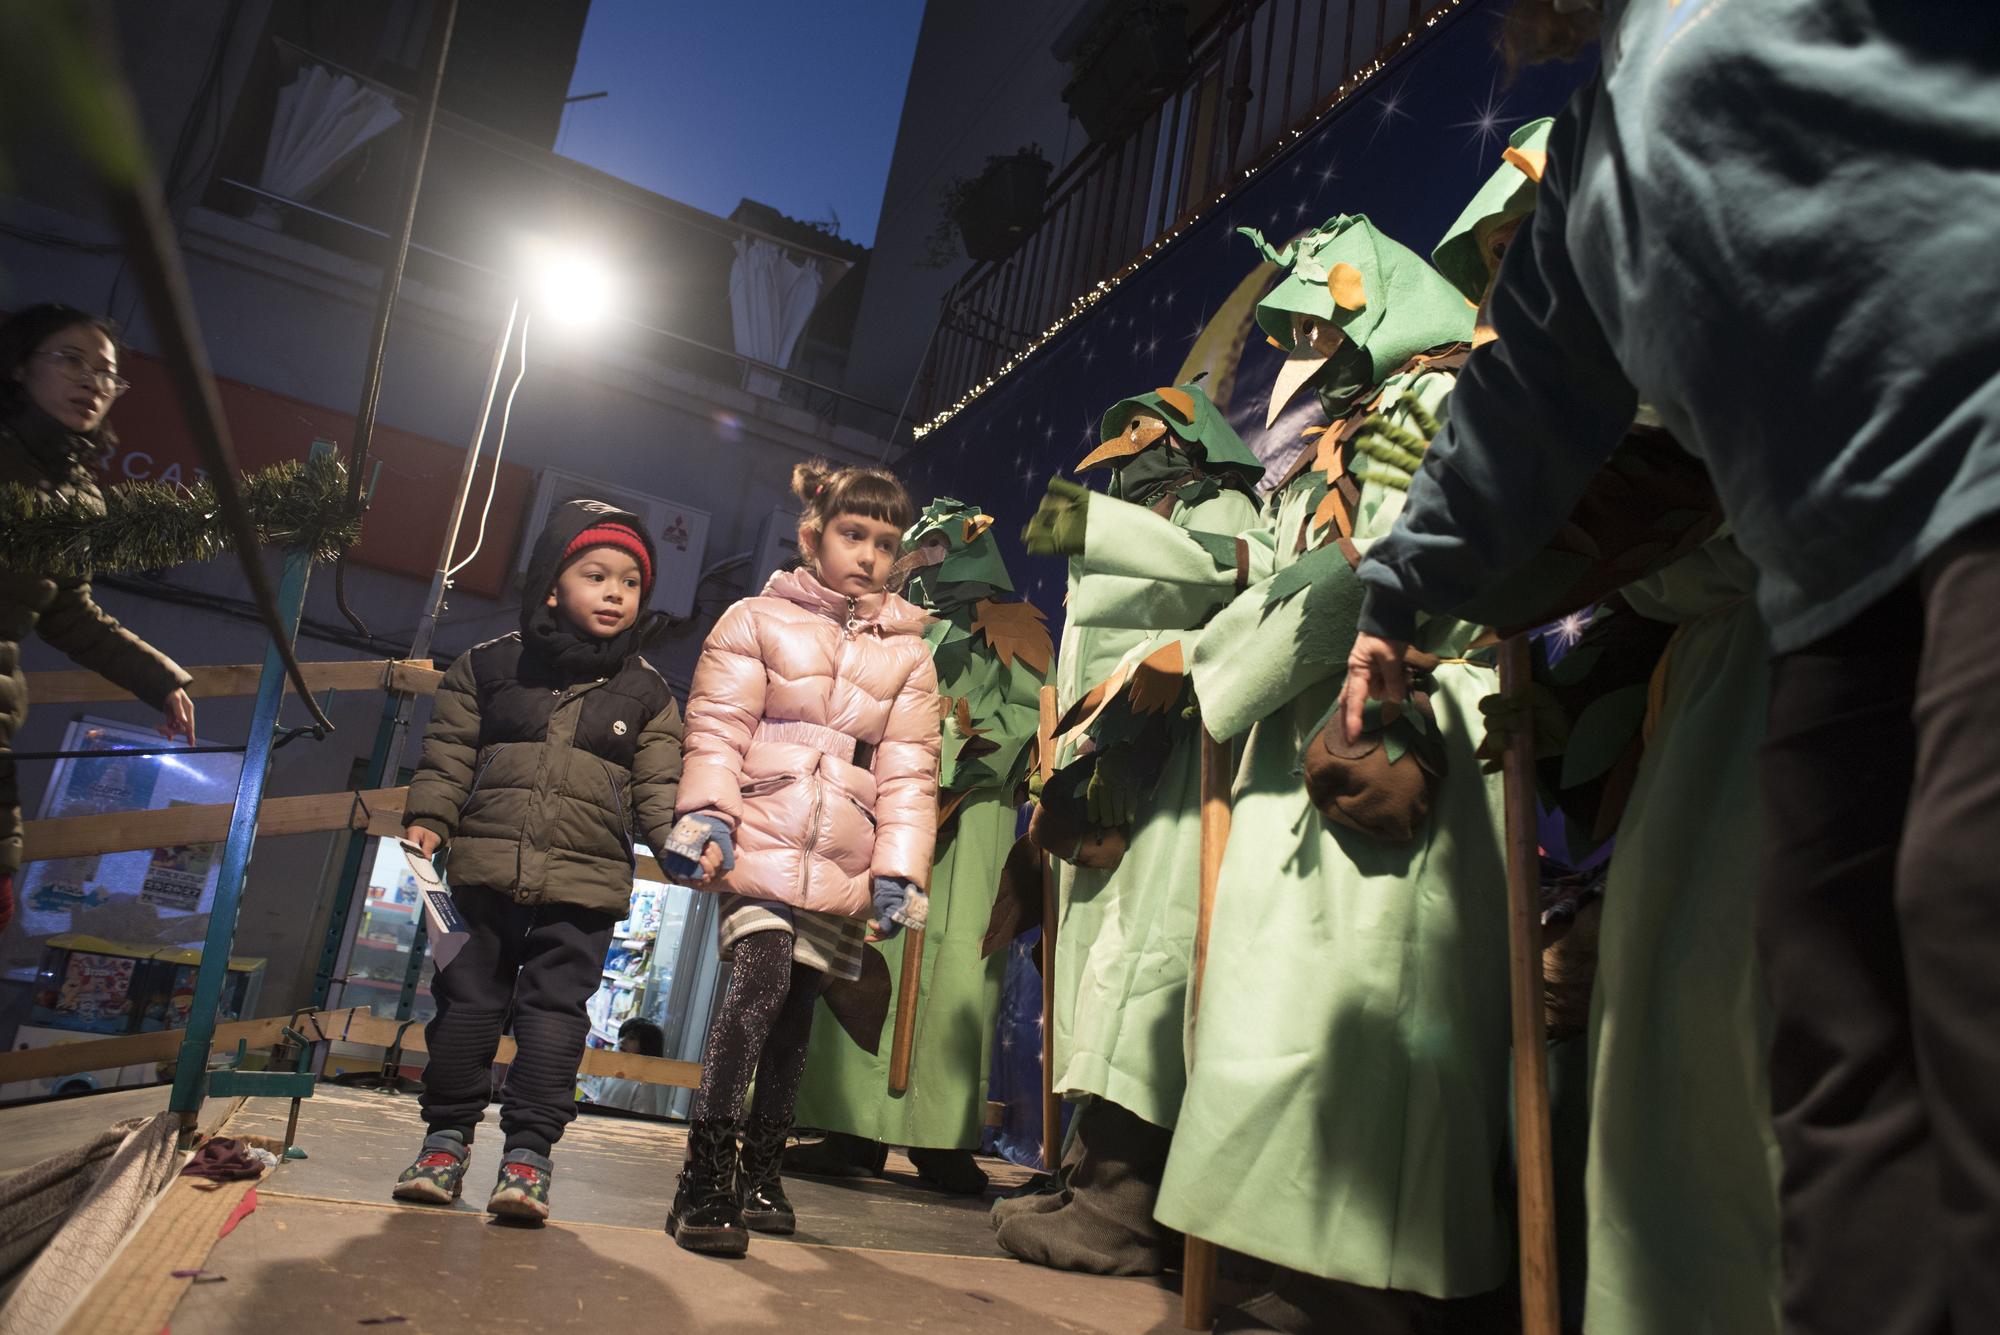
(689, 839)
(899, 904)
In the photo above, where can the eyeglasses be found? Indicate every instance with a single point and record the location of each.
(80, 369)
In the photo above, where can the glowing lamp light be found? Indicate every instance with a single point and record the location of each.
(570, 287)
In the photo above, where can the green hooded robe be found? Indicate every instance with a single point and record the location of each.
(1125, 937)
(1346, 1106)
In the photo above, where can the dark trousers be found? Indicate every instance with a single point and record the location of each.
(1880, 939)
(538, 963)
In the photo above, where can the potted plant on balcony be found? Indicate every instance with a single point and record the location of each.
(1132, 56)
(993, 212)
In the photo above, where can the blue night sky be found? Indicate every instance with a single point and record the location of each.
(790, 102)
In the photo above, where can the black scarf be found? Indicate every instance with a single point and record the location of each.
(59, 452)
(559, 653)
(1142, 478)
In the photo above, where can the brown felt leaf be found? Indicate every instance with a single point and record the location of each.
(1015, 630)
(1156, 683)
(948, 805)
(1531, 162)
(1348, 291)
(1333, 510)
(1331, 458)
(975, 736)
(1179, 400)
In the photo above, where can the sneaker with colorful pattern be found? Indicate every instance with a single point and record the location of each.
(523, 1189)
(438, 1175)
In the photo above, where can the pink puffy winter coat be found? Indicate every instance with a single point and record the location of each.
(788, 683)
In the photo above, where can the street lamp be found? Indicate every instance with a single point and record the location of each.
(571, 288)
(567, 286)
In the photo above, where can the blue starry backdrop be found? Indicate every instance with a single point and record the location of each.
(1409, 150)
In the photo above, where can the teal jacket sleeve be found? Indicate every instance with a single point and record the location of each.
(1535, 414)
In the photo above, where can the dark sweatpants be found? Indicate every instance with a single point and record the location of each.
(542, 962)
(1880, 938)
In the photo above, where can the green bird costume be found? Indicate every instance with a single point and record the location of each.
(992, 655)
(1346, 1105)
(1125, 936)
(1681, 1178)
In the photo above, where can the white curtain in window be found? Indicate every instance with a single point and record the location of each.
(771, 297)
(322, 121)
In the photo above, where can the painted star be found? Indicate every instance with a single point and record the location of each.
(1487, 119)
(1569, 630)
(1387, 109)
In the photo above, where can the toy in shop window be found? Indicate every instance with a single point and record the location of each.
(90, 985)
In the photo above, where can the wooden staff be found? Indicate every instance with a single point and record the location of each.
(907, 986)
(1198, 1258)
(1534, 1161)
(1051, 1103)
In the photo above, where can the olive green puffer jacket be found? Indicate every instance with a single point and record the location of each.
(39, 454)
(538, 785)
(538, 775)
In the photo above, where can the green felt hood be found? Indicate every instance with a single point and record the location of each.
(1196, 423)
(1378, 293)
(972, 566)
(1508, 193)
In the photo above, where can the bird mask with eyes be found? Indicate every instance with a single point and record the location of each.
(1352, 307)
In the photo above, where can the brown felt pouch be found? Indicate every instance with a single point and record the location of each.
(1356, 784)
(1064, 833)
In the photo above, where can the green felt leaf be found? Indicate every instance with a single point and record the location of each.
(1303, 574)
(1428, 746)
(1200, 490)
(1395, 743)
(953, 657)
(1332, 611)
(1220, 548)
(1365, 471)
(1601, 735)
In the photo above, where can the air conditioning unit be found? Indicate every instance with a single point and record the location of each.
(777, 548)
(679, 532)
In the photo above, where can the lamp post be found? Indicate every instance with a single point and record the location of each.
(569, 288)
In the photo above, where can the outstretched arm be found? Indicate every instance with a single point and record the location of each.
(1534, 416)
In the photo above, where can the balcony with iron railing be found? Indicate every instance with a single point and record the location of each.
(1257, 74)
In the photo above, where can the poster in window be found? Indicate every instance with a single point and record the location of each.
(157, 897)
(177, 875)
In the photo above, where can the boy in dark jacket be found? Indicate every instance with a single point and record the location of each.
(547, 748)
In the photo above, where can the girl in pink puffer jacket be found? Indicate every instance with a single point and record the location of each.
(808, 800)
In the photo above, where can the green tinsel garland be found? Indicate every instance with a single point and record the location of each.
(300, 506)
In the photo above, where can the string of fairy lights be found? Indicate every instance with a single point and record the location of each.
(1099, 291)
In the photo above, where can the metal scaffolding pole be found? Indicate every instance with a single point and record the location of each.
(191, 1067)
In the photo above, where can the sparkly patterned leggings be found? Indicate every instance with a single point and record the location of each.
(762, 1029)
